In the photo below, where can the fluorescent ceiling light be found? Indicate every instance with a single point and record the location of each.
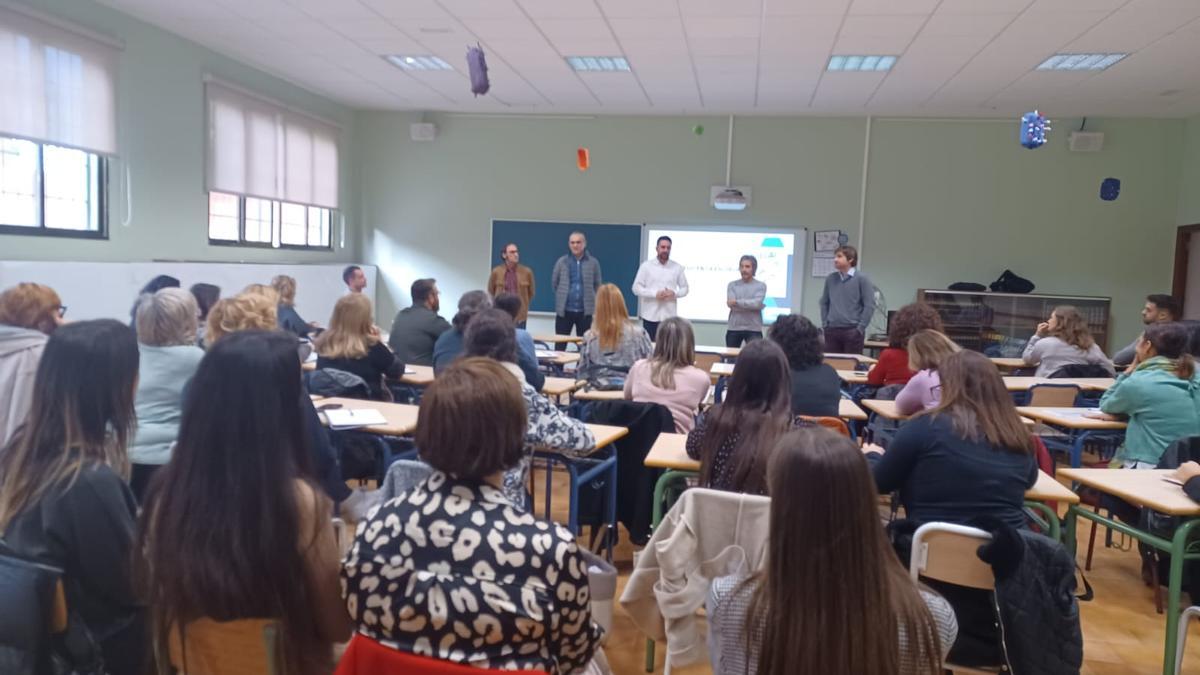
(873, 63)
(598, 64)
(417, 62)
(1080, 61)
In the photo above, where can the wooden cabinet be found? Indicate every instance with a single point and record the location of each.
(999, 324)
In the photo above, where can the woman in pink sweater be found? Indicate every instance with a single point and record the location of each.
(926, 350)
(668, 377)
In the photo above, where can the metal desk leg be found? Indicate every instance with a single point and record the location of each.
(1178, 547)
(1051, 518)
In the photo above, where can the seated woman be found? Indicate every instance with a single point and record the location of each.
(63, 496)
(668, 377)
(526, 352)
(490, 334)
(926, 351)
(778, 620)
(168, 356)
(449, 345)
(1063, 340)
(206, 296)
(970, 456)
(892, 368)
(153, 286)
(289, 318)
(733, 439)
(1160, 392)
(816, 387)
(613, 344)
(29, 314)
(452, 569)
(353, 344)
(233, 527)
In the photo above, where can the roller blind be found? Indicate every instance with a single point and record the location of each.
(57, 86)
(257, 148)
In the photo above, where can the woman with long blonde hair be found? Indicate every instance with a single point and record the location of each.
(669, 377)
(1064, 340)
(353, 344)
(613, 344)
(289, 318)
(926, 351)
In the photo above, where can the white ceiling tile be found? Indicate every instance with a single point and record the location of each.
(1134, 27)
(871, 45)
(573, 47)
(342, 9)
(503, 29)
(260, 9)
(565, 30)
(1070, 5)
(400, 45)
(691, 8)
(482, 9)
(365, 29)
(615, 88)
(881, 25)
(639, 9)
(407, 11)
(720, 28)
(638, 29)
(806, 7)
(983, 6)
(922, 7)
(560, 9)
(847, 89)
(744, 47)
(984, 26)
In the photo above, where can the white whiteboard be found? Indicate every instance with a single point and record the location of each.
(98, 290)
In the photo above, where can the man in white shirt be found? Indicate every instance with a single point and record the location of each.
(355, 278)
(659, 282)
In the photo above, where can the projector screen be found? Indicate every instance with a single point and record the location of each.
(710, 257)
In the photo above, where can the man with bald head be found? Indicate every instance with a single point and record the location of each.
(575, 279)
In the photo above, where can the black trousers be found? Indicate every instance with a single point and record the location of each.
(651, 328)
(564, 322)
(735, 338)
(844, 340)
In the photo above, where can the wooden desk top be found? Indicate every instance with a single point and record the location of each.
(853, 376)
(669, 452)
(557, 358)
(401, 418)
(875, 344)
(597, 395)
(557, 386)
(606, 434)
(725, 352)
(1143, 487)
(722, 369)
(1047, 489)
(859, 357)
(421, 376)
(885, 409)
(1006, 363)
(849, 410)
(308, 366)
(1084, 383)
(558, 339)
(1069, 418)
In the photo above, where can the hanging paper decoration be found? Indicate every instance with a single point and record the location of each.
(1110, 189)
(1034, 126)
(477, 67)
(698, 130)
(583, 159)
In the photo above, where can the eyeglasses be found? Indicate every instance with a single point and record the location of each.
(62, 311)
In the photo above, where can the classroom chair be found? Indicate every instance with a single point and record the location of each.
(841, 363)
(1052, 396)
(239, 647)
(832, 423)
(947, 553)
(365, 656)
(1181, 640)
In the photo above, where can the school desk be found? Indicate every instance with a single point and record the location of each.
(1078, 427)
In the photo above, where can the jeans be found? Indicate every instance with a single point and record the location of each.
(844, 340)
(563, 324)
(735, 338)
(651, 328)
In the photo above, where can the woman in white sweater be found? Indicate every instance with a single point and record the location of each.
(1064, 340)
(168, 357)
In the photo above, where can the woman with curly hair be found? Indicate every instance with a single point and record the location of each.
(1064, 340)
(816, 387)
(893, 361)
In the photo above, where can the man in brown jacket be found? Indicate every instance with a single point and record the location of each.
(512, 277)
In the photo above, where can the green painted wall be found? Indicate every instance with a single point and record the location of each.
(161, 131)
(946, 201)
(1189, 181)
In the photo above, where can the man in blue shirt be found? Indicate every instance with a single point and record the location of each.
(575, 279)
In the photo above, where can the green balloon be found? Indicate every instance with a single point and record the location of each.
(698, 130)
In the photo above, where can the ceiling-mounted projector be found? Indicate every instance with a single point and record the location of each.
(726, 198)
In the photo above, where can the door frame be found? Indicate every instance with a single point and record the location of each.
(1179, 280)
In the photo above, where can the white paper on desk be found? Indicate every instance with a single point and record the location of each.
(311, 358)
(546, 353)
(347, 418)
(410, 371)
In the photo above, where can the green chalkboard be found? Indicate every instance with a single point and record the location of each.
(616, 246)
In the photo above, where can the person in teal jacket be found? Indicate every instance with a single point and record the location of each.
(1160, 393)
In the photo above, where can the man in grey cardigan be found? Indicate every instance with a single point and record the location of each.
(847, 304)
(575, 279)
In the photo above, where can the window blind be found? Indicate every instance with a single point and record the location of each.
(257, 148)
(58, 86)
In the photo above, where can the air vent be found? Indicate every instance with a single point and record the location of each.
(1086, 141)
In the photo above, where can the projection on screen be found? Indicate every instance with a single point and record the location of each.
(710, 258)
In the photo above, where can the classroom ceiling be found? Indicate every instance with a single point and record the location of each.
(973, 58)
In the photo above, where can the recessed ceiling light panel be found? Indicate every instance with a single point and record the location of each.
(1081, 61)
(872, 63)
(598, 64)
(417, 62)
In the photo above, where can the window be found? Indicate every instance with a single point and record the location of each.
(264, 222)
(51, 190)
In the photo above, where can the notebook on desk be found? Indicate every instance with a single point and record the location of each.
(348, 418)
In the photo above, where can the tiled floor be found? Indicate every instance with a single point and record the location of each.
(1122, 633)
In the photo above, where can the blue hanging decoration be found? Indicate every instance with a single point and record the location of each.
(1034, 126)
(1110, 189)
(477, 67)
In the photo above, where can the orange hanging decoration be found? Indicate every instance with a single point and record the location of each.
(583, 159)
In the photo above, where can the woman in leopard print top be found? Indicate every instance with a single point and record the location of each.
(455, 571)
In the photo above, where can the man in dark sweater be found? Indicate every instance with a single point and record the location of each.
(847, 304)
(416, 328)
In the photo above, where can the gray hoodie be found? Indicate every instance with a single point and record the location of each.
(20, 351)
